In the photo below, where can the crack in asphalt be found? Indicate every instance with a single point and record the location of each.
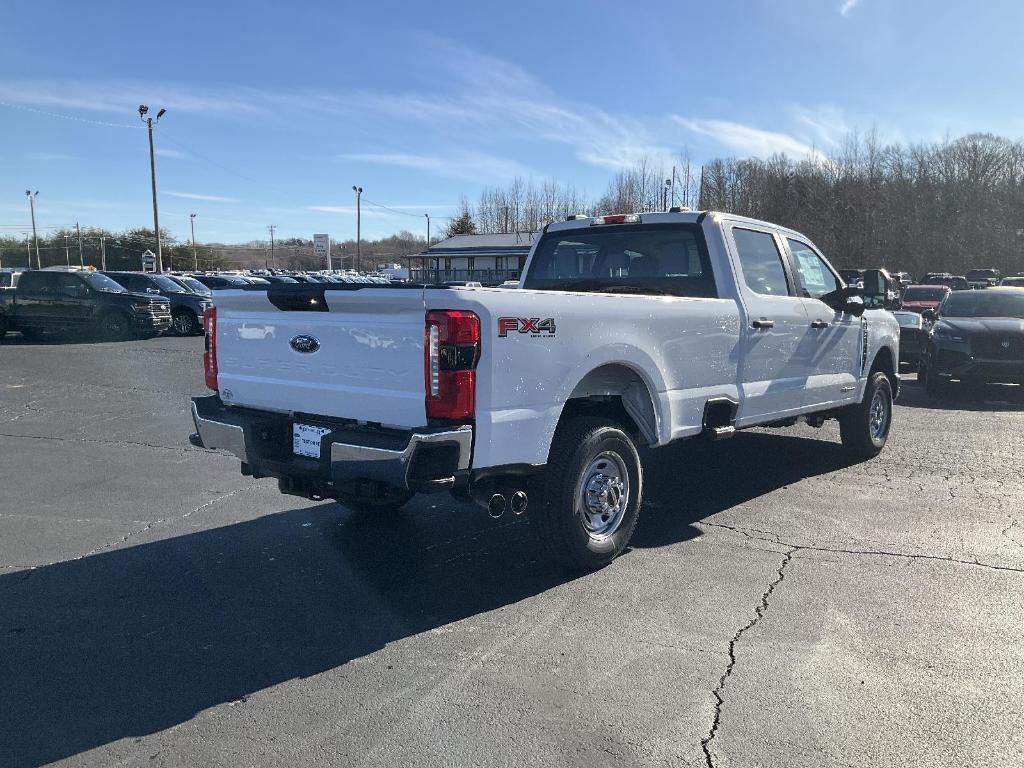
(876, 552)
(759, 611)
(130, 534)
(119, 443)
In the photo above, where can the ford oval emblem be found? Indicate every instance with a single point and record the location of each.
(305, 344)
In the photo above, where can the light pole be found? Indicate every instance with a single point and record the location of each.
(78, 230)
(668, 185)
(359, 246)
(150, 122)
(67, 252)
(273, 261)
(195, 257)
(428, 228)
(35, 240)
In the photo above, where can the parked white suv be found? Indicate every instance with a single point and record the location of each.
(625, 330)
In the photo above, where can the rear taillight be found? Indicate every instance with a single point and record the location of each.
(451, 350)
(210, 355)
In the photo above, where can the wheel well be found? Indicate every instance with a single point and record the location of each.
(885, 363)
(618, 393)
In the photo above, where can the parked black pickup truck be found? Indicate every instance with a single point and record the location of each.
(80, 302)
(187, 308)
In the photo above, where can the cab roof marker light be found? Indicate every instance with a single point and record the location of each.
(618, 218)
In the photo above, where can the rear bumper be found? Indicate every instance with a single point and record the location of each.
(422, 459)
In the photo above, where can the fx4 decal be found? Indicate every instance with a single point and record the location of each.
(531, 325)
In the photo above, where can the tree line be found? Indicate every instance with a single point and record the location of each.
(940, 206)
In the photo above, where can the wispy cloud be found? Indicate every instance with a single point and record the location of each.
(47, 157)
(847, 6)
(468, 166)
(205, 198)
(746, 139)
(174, 154)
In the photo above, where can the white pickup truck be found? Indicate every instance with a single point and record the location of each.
(625, 330)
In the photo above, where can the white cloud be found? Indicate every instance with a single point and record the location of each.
(174, 154)
(847, 6)
(746, 139)
(206, 198)
(468, 166)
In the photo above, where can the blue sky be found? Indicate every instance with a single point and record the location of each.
(276, 109)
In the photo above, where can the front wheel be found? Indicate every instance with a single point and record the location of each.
(589, 494)
(115, 326)
(864, 426)
(185, 323)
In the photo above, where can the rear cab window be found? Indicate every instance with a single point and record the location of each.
(655, 259)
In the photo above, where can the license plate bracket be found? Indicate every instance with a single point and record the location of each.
(306, 439)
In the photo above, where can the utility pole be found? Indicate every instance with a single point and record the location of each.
(359, 216)
(103, 253)
(428, 228)
(32, 207)
(273, 261)
(195, 257)
(67, 252)
(673, 185)
(78, 229)
(28, 247)
(150, 122)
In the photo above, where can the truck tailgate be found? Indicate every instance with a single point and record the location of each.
(367, 363)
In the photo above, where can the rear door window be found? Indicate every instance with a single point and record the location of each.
(761, 262)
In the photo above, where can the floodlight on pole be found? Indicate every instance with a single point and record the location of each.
(149, 123)
(359, 216)
(32, 207)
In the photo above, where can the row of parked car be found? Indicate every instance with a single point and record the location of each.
(121, 305)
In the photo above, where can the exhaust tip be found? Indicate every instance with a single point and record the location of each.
(496, 506)
(518, 502)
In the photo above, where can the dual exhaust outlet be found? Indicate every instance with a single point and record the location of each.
(497, 504)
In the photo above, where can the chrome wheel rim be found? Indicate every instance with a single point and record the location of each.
(602, 495)
(878, 416)
(182, 324)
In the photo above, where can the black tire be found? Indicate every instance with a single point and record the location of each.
(581, 517)
(933, 385)
(32, 334)
(864, 428)
(185, 323)
(115, 326)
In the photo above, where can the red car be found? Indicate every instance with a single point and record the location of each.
(918, 298)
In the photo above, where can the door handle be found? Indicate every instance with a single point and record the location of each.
(820, 324)
(762, 324)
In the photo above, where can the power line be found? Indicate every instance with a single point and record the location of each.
(65, 117)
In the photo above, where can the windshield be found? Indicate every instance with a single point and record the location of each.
(166, 284)
(984, 304)
(924, 294)
(102, 282)
(194, 285)
(647, 259)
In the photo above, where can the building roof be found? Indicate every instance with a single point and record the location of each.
(501, 244)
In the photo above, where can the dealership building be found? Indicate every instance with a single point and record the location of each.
(488, 259)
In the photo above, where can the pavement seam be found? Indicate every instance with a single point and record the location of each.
(759, 612)
(867, 552)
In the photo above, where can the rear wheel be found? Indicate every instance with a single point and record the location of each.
(864, 426)
(589, 495)
(115, 326)
(185, 323)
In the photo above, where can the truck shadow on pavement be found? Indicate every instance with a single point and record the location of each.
(132, 641)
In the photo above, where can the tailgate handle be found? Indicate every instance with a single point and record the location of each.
(303, 299)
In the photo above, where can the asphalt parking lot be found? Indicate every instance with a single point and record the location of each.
(779, 607)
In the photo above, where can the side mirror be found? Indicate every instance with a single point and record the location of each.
(929, 315)
(876, 288)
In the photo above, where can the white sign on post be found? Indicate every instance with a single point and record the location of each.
(149, 261)
(322, 247)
